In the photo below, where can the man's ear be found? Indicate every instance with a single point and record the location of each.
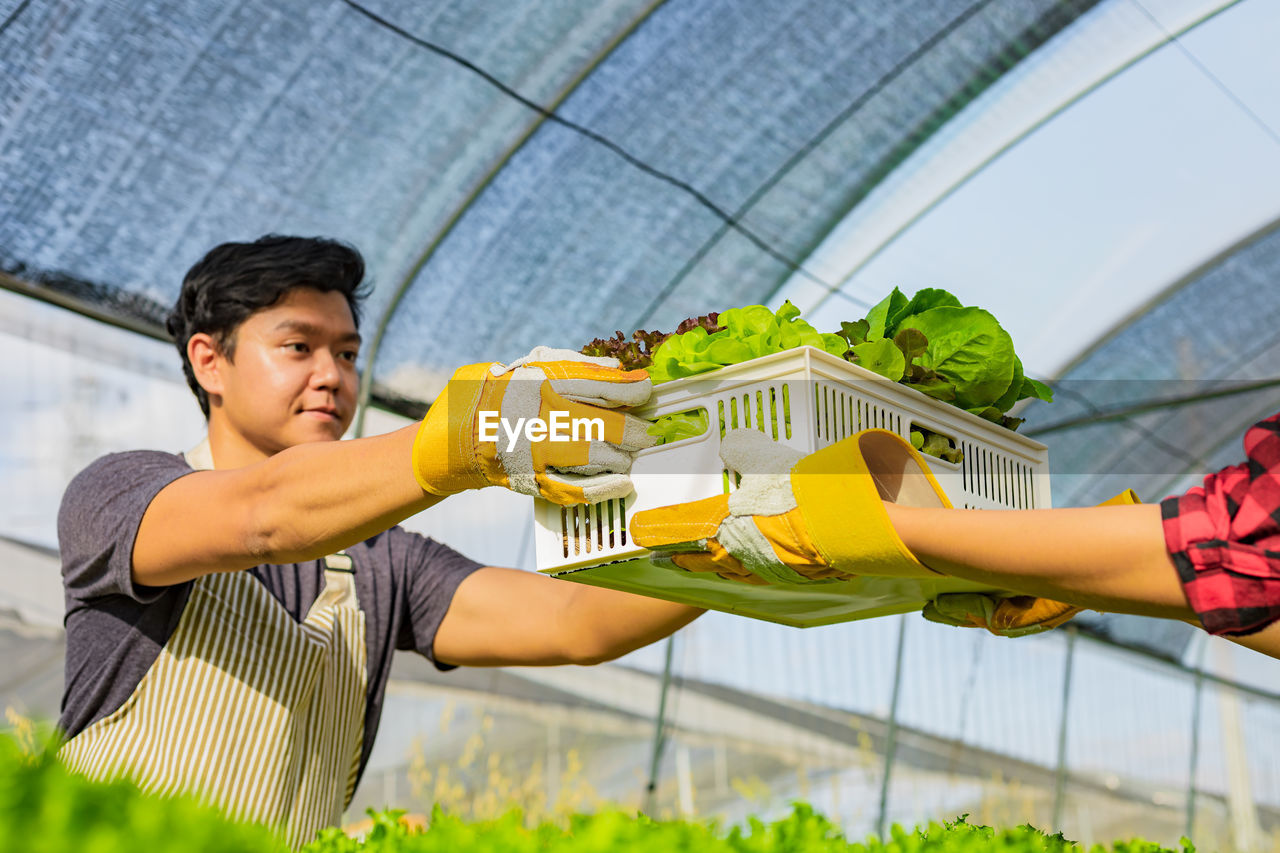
(206, 362)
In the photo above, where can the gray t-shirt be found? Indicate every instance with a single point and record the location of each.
(116, 628)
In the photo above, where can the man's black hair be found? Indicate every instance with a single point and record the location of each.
(234, 280)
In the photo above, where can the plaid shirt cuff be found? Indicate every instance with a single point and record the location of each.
(1224, 538)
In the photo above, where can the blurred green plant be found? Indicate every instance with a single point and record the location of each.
(46, 809)
(802, 831)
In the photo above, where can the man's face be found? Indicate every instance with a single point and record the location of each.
(293, 378)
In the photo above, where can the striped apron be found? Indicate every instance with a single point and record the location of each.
(245, 707)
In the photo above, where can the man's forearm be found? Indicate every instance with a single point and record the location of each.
(1107, 558)
(302, 503)
(323, 496)
(609, 624)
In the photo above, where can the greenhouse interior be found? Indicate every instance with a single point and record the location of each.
(1102, 176)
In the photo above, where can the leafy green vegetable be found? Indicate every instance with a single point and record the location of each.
(926, 298)
(854, 333)
(929, 342)
(802, 831)
(953, 353)
(638, 352)
(632, 354)
(749, 332)
(46, 809)
(706, 321)
(882, 356)
(935, 387)
(912, 342)
(675, 427)
(968, 348)
(1032, 388)
(878, 317)
(1010, 395)
(939, 446)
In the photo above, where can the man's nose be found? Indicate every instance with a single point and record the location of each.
(325, 372)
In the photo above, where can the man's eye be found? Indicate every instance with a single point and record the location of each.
(298, 346)
(350, 356)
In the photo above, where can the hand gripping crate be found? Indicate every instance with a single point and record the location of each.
(807, 399)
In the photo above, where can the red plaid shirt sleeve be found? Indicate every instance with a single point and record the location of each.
(1224, 537)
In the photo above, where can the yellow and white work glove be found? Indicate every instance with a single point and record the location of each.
(1011, 616)
(797, 518)
(547, 425)
(1004, 616)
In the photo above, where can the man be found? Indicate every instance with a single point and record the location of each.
(868, 505)
(232, 612)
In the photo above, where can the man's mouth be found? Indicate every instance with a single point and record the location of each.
(323, 412)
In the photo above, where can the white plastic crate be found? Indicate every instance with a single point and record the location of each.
(807, 399)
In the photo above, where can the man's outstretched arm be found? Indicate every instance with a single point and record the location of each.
(507, 617)
(300, 504)
(313, 499)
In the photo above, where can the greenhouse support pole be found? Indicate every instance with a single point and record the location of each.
(1242, 807)
(1195, 739)
(659, 736)
(891, 737)
(1060, 783)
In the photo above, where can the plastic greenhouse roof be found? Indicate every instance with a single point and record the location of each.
(546, 173)
(698, 150)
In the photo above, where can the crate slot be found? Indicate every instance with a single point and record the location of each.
(818, 411)
(833, 415)
(786, 407)
(823, 411)
(975, 464)
(696, 412)
(989, 474)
